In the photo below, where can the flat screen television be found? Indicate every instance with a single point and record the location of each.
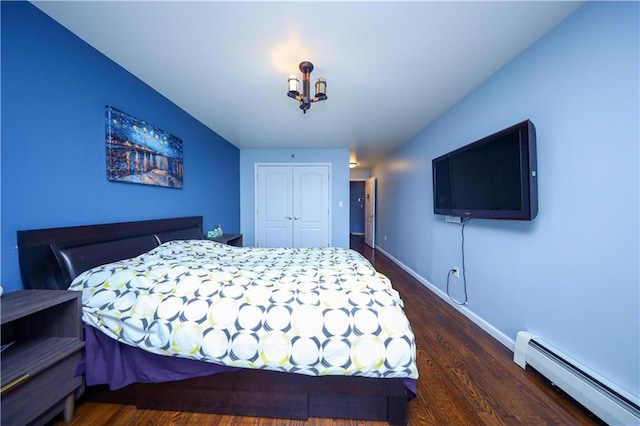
(492, 178)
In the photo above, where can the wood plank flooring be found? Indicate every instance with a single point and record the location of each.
(466, 377)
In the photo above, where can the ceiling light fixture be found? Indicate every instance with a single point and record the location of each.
(305, 98)
(353, 165)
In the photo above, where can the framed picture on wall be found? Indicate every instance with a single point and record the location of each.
(138, 152)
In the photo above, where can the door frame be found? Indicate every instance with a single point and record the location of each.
(370, 204)
(364, 213)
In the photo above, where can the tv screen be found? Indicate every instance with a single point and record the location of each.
(492, 178)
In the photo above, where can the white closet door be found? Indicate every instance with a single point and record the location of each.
(274, 211)
(311, 206)
(292, 206)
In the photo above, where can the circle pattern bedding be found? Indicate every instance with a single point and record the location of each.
(316, 311)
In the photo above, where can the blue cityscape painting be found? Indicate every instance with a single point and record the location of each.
(138, 152)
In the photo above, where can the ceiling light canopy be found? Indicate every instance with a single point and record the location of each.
(305, 98)
(353, 164)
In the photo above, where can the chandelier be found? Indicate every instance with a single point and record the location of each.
(305, 98)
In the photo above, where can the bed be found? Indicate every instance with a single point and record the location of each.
(231, 381)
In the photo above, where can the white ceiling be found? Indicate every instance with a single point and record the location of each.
(391, 67)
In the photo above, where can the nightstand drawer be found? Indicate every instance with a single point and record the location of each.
(43, 333)
(43, 393)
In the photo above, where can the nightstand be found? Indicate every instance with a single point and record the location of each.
(230, 239)
(37, 369)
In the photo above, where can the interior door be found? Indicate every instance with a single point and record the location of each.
(310, 206)
(370, 212)
(292, 206)
(274, 219)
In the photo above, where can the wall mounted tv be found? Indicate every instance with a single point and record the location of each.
(492, 178)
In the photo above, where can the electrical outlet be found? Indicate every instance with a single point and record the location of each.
(456, 271)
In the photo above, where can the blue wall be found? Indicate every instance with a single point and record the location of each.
(571, 275)
(339, 184)
(54, 91)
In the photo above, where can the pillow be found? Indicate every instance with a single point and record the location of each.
(193, 233)
(74, 260)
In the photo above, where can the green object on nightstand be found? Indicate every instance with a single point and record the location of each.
(217, 232)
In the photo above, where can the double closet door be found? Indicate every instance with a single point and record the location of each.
(292, 206)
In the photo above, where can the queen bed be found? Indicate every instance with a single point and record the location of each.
(177, 322)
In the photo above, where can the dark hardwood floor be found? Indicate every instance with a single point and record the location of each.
(466, 376)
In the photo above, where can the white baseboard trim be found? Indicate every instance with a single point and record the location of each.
(464, 310)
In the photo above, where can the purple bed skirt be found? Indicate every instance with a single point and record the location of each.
(107, 361)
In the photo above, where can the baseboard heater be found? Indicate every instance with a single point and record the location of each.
(609, 405)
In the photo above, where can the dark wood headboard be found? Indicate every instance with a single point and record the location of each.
(52, 258)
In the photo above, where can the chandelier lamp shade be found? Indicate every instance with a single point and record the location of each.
(305, 98)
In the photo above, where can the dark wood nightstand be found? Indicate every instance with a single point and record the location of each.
(230, 239)
(38, 369)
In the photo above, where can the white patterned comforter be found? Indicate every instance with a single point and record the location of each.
(309, 311)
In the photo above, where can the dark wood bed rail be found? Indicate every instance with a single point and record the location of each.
(42, 251)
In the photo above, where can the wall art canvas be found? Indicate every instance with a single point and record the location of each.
(139, 152)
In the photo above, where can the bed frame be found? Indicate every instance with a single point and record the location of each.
(51, 258)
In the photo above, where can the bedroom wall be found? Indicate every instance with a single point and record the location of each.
(339, 184)
(54, 91)
(572, 274)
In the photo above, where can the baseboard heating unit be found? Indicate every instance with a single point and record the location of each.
(609, 405)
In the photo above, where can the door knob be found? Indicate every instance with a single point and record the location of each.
(296, 218)
(288, 217)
